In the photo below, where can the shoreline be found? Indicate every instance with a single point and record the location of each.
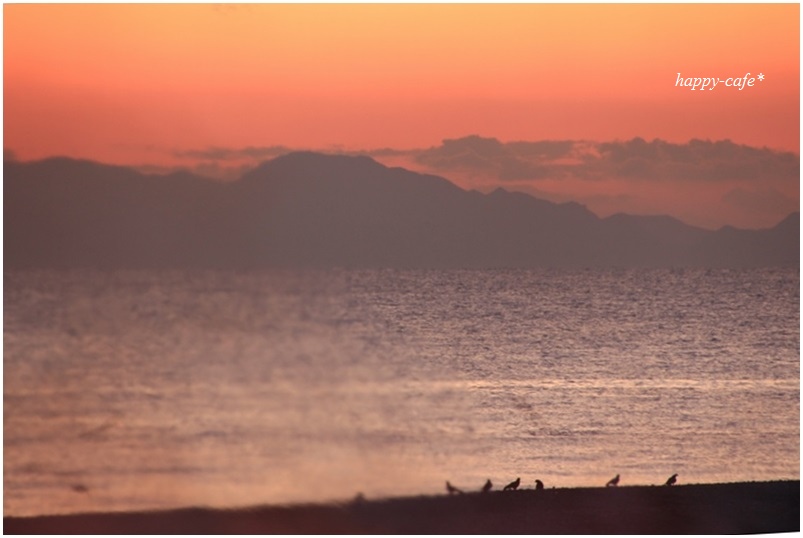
(729, 508)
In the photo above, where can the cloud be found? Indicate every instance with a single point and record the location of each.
(513, 161)
(487, 160)
(249, 153)
(707, 183)
(697, 160)
(545, 149)
(631, 160)
(225, 163)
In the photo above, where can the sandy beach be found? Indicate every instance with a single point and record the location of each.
(736, 508)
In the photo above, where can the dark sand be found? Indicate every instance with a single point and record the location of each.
(751, 507)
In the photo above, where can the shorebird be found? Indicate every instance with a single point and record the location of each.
(671, 480)
(487, 486)
(613, 482)
(451, 489)
(513, 485)
(539, 484)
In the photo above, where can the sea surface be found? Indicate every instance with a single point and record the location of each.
(142, 390)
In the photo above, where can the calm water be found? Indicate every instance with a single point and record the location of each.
(138, 390)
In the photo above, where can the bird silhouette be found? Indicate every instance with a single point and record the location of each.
(539, 484)
(487, 486)
(451, 489)
(513, 485)
(671, 480)
(613, 482)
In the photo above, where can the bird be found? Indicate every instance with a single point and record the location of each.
(539, 484)
(487, 486)
(613, 482)
(451, 489)
(671, 480)
(513, 485)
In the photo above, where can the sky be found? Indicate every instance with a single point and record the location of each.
(216, 88)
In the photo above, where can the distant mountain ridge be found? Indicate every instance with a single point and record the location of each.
(309, 209)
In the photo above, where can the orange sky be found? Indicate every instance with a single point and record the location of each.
(132, 84)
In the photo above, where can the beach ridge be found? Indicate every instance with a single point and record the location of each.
(727, 508)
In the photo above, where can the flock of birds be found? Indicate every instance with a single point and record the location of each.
(612, 483)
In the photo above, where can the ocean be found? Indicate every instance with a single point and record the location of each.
(135, 390)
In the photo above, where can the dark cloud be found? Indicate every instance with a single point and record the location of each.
(488, 156)
(249, 153)
(698, 160)
(9, 155)
(384, 152)
(544, 149)
(472, 152)
(636, 159)
(224, 162)
(721, 181)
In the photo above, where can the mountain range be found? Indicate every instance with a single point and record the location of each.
(309, 209)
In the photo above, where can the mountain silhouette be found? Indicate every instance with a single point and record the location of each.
(308, 209)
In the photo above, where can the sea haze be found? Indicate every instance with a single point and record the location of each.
(131, 390)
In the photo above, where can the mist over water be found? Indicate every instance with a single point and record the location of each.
(139, 390)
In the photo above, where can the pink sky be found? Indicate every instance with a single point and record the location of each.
(139, 84)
